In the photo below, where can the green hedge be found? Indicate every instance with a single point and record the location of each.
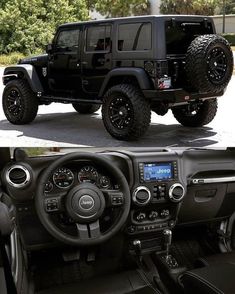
(230, 38)
(12, 58)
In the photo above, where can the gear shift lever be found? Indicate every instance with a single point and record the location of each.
(169, 259)
(137, 247)
(167, 241)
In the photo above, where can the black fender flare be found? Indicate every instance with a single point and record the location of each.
(28, 72)
(138, 73)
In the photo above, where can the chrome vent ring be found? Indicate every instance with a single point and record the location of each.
(18, 176)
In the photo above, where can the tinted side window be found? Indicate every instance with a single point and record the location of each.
(98, 38)
(135, 37)
(68, 40)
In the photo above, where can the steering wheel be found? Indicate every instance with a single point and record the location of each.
(84, 203)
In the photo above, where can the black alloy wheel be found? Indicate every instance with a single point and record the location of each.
(14, 102)
(126, 113)
(216, 65)
(20, 104)
(120, 112)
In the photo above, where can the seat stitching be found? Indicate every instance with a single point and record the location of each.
(205, 282)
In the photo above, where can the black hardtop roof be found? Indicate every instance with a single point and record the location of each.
(144, 17)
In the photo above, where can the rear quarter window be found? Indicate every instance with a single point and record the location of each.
(135, 37)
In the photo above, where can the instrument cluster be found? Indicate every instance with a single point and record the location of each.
(65, 178)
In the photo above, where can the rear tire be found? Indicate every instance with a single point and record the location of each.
(84, 108)
(126, 113)
(196, 115)
(20, 104)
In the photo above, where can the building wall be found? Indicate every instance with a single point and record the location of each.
(229, 23)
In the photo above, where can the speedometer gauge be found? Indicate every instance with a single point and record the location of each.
(63, 177)
(88, 174)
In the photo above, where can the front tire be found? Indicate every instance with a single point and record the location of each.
(84, 108)
(126, 113)
(197, 114)
(20, 104)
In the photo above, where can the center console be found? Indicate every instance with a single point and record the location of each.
(155, 197)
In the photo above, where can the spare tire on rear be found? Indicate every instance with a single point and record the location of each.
(209, 64)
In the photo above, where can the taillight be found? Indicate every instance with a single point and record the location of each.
(158, 71)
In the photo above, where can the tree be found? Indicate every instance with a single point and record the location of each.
(120, 8)
(199, 7)
(26, 26)
(229, 7)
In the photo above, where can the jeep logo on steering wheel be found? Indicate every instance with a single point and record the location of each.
(86, 202)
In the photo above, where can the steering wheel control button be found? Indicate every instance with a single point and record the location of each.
(116, 199)
(52, 205)
(176, 192)
(86, 202)
(141, 195)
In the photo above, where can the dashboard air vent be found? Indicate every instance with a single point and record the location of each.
(18, 176)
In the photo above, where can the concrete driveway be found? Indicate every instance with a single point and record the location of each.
(60, 125)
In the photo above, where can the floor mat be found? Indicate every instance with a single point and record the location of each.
(52, 272)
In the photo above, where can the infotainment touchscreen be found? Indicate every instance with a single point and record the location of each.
(158, 171)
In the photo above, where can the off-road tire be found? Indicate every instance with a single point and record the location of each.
(84, 108)
(138, 112)
(25, 97)
(205, 114)
(209, 64)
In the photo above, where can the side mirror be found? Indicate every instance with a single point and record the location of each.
(49, 48)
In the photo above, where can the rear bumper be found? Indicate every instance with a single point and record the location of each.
(177, 95)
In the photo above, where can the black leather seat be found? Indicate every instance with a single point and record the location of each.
(128, 282)
(214, 279)
(216, 259)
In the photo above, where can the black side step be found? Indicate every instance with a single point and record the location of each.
(69, 100)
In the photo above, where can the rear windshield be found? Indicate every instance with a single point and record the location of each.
(180, 34)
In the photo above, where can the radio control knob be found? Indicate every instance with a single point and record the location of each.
(176, 192)
(141, 195)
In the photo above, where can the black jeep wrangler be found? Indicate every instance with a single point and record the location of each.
(129, 65)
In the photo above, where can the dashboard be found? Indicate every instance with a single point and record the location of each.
(168, 188)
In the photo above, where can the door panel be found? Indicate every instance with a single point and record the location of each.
(65, 62)
(96, 57)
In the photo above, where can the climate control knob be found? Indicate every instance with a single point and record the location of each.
(153, 215)
(176, 192)
(141, 217)
(141, 195)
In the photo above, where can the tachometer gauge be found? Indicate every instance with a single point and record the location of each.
(104, 182)
(88, 174)
(48, 187)
(63, 177)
